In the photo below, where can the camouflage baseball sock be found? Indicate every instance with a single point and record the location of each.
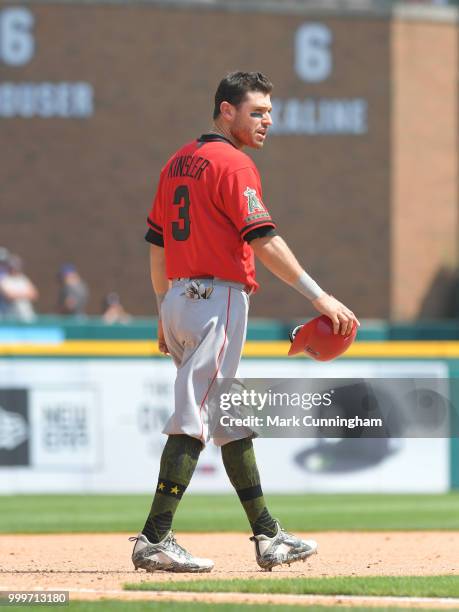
(178, 461)
(241, 467)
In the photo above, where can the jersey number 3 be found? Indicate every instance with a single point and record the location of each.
(181, 231)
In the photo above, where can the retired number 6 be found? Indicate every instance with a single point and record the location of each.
(182, 199)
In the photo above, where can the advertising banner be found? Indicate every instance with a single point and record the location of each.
(94, 426)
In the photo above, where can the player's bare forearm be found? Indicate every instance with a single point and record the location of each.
(160, 285)
(274, 253)
(158, 274)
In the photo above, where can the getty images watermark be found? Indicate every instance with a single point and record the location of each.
(253, 400)
(333, 408)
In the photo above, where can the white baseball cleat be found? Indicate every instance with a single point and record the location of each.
(166, 556)
(282, 548)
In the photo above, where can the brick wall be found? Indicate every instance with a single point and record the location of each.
(79, 189)
(425, 169)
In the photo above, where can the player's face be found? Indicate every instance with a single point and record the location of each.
(252, 119)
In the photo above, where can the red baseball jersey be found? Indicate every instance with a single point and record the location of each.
(207, 208)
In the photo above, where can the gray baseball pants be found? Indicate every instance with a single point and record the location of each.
(205, 338)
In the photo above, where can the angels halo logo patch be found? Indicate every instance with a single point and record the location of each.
(253, 203)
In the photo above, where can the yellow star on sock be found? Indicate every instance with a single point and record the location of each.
(161, 486)
(175, 490)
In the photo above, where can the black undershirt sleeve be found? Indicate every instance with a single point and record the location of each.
(260, 232)
(154, 238)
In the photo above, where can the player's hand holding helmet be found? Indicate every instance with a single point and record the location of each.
(342, 319)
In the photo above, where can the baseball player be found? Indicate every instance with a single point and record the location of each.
(207, 222)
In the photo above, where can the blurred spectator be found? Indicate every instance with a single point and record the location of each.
(113, 310)
(17, 291)
(73, 291)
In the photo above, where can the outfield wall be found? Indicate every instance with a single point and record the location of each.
(86, 415)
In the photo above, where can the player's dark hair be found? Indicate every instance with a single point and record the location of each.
(234, 87)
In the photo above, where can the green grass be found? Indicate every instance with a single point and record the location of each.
(174, 606)
(403, 586)
(206, 513)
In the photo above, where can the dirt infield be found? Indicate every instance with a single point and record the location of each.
(94, 566)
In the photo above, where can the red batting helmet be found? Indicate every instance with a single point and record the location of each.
(316, 339)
